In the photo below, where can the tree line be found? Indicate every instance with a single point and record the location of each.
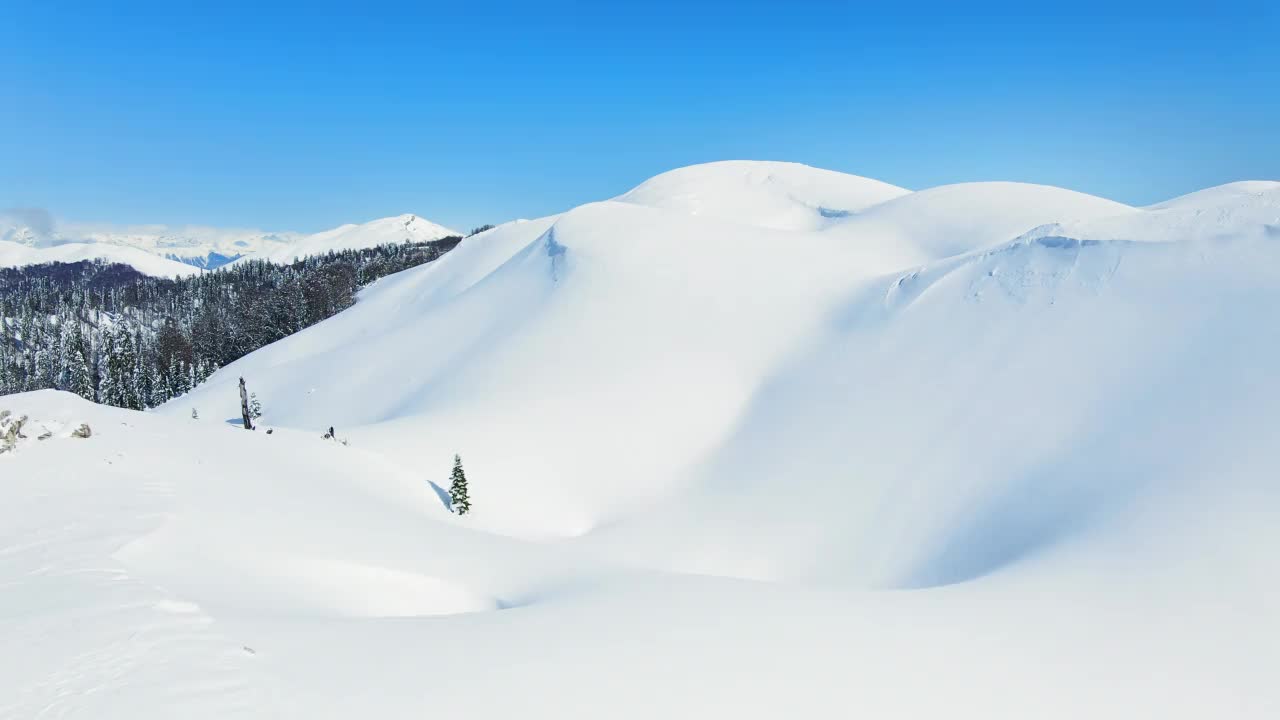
(115, 336)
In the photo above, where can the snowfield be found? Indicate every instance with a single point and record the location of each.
(753, 440)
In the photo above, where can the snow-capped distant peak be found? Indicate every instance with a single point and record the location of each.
(208, 247)
(390, 230)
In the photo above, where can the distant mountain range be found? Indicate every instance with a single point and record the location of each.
(196, 246)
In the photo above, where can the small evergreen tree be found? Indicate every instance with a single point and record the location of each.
(255, 407)
(458, 489)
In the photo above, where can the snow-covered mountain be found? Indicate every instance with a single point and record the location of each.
(207, 247)
(751, 440)
(13, 254)
(782, 195)
(392, 230)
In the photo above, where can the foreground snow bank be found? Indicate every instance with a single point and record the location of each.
(182, 568)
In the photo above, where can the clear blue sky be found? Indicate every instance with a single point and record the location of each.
(307, 115)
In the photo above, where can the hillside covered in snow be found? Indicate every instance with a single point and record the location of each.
(14, 254)
(750, 440)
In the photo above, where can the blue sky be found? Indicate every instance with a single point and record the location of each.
(304, 116)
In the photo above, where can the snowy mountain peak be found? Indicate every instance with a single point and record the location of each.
(780, 195)
(395, 230)
(416, 227)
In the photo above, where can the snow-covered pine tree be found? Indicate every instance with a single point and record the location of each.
(127, 353)
(458, 488)
(6, 376)
(79, 375)
(108, 370)
(255, 406)
(144, 379)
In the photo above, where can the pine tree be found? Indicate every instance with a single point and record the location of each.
(458, 490)
(79, 376)
(109, 370)
(255, 407)
(144, 380)
(6, 376)
(128, 370)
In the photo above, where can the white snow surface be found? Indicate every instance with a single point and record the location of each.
(989, 450)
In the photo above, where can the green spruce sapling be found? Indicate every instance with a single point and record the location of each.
(458, 489)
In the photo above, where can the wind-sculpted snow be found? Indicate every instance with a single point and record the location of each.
(955, 219)
(514, 346)
(974, 414)
(1234, 211)
(1029, 266)
(599, 303)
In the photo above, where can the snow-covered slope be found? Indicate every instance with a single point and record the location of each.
(781, 195)
(952, 219)
(941, 457)
(1243, 209)
(1032, 404)
(611, 305)
(664, 322)
(16, 255)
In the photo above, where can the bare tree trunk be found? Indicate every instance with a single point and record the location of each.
(244, 406)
